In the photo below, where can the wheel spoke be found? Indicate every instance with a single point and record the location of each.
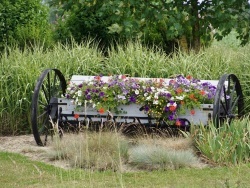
(45, 94)
(235, 102)
(224, 107)
(232, 95)
(225, 97)
(49, 87)
(54, 86)
(45, 112)
(42, 104)
(228, 84)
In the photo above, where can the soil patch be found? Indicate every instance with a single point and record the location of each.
(27, 146)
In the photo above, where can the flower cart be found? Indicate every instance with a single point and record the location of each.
(179, 101)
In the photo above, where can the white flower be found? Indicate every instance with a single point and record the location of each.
(79, 103)
(180, 97)
(79, 93)
(137, 92)
(156, 95)
(152, 88)
(171, 104)
(121, 97)
(148, 98)
(145, 94)
(155, 102)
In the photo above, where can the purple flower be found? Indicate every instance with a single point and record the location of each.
(88, 97)
(132, 99)
(146, 108)
(171, 117)
(169, 95)
(101, 94)
(166, 108)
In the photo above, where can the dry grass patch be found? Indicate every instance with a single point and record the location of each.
(111, 150)
(91, 150)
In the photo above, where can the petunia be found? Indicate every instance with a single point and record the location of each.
(155, 101)
(180, 97)
(76, 116)
(178, 123)
(172, 108)
(79, 93)
(101, 94)
(171, 117)
(192, 112)
(101, 110)
(132, 99)
(88, 97)
(146, 108)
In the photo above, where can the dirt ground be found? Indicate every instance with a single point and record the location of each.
(26, 146)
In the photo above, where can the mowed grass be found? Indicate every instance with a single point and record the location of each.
(18, 171)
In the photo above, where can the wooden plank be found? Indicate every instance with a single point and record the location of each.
(201, 115)
(78, 79)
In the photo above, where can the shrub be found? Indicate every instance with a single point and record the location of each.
(229, 144)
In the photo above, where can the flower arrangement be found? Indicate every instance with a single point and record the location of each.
(158, 98)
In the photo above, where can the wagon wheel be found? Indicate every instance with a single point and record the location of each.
(228, 102)
(50, 86)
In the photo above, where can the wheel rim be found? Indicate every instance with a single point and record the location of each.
(228, 102)
(51, 84)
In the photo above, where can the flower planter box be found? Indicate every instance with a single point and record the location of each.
(161, 98)
(130, 113)
(202, 116)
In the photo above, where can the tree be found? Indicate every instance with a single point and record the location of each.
(22, 22)
(169, 19)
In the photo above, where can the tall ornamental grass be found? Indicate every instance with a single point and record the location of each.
(19, 70)
(226, 145)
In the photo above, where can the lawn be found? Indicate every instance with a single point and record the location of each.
(19, 171)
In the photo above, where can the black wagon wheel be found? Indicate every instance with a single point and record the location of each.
(50, 86)
(228, 102)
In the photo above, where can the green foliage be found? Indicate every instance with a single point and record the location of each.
(230, 144)
(23, 22)
(19, 70)
(159, 22)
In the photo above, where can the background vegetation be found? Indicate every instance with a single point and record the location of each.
(21, 68)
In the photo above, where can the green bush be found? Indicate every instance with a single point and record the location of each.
(23, 22)
(229, 144)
